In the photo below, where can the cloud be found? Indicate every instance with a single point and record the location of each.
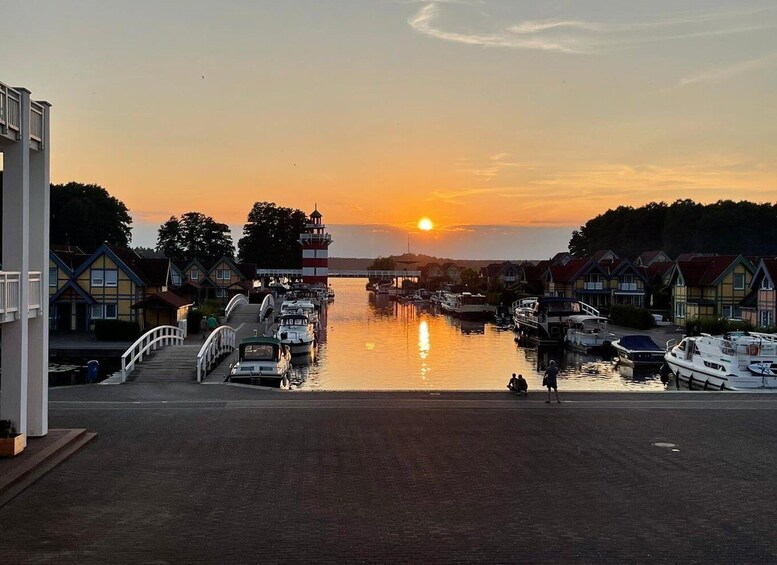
(572, 36)
(723, 74)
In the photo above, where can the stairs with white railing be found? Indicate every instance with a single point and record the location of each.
(175, 363)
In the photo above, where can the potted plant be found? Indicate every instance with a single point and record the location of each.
(11, 442)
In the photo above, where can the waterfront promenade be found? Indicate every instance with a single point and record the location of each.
(182, 473)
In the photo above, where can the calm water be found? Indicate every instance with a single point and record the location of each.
(373, 344)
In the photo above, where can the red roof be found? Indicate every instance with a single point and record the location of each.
(704, 271)
(566, 273)
(164, 298)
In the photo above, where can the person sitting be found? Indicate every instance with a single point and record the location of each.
(518, 385)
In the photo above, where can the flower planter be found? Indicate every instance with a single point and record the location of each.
(10, 446)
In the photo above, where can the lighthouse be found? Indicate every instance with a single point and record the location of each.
(315, 251)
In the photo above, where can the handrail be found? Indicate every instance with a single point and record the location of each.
(149, 341)
(10, 295)
(236, 301)
(220, 341)
(267, 304)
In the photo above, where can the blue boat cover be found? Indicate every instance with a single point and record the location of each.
(639, 343)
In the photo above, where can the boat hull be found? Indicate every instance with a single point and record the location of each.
(695, 377)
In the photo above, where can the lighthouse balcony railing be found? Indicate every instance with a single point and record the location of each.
(315, 238)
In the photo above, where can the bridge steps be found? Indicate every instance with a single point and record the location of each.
(173, 363)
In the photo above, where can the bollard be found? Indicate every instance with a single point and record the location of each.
(92, 371)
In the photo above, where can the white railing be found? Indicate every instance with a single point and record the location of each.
(36, 122)
(148, 342)
(237, 300)
(627, 287)
(220, 341)
(267, 304)
(9, 295)
(11, 113)
(35, 299)
(598, 285)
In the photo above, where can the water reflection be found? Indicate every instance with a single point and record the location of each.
(373, 343)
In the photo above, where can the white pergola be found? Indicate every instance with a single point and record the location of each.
(25, 145)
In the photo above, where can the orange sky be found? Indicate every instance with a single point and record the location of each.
(479, 112)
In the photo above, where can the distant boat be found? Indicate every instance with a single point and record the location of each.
(547, 319)
(587, 333)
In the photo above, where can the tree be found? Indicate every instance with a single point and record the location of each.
(382, 264)
(194, 236)
(270, 236)
(470, 279)
(87, 216)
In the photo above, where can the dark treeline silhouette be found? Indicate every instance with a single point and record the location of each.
(725, 227)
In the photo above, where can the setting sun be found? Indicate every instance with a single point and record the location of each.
(425, 224)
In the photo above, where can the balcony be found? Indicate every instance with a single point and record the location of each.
(593, 285)
(10, 298)
(11, 116)
(628, 288)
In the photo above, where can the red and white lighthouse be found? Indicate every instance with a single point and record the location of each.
(315, 251)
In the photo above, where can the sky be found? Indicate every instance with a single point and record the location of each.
(508, 123)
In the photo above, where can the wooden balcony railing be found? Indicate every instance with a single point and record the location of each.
(11, 114)
(10, 297)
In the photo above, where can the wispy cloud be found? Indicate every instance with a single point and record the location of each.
(496, 163)
(723, 74)
(581, 37)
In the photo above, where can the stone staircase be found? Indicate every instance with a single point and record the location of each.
(174, 363)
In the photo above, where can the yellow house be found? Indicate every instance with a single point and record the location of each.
(710, 287)
(68, 303)
(228, 279)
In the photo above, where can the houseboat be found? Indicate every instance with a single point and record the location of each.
(263, 361)
(588, 334)
(638, 351)
(733, 361)
(472, 306)
(547, 319)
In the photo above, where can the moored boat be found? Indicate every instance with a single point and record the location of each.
(297, 332)
(261, 361)
(638, 351)
(468, 305)
(587, 334)
(732, 361)
(545, 320)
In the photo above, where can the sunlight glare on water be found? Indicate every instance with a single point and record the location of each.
(371, 343)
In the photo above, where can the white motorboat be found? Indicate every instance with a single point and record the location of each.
(448, 303)
(263, 361)
(546, 319)
(297, 332)
(468, 305)
(301, 306)
(638, 351)
(587, 333)
(733, 361)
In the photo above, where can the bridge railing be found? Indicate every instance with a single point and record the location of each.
(9, 295)
(237, 300)
(148, 342)
(220, 341)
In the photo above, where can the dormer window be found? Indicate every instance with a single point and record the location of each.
(766, 284)
(194, 274)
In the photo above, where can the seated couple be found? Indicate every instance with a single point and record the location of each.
(518, 385)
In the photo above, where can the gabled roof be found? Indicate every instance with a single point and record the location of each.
(658, 269)
(447, 266)
(195, 263)
(229, 261)
(122, 256)
(624, 266)
(766, 268)
(75, 288)
(166, 298)
(708, 270)
(568, 272)
(604, 255)
(647, 258)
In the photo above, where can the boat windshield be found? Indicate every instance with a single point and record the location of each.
(259, 352)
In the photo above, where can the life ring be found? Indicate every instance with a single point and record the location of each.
(753, 349)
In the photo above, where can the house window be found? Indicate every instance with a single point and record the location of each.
(221, 293)
(176, 278)
(592, 282)
(679, 310)
(766, 318)
(739, 281)
(727, 311)
(194, 274)
(103, 311)
(222, 274)
(53, 277)
(104, 277)
(765, 284)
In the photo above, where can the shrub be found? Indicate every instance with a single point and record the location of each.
(631, 317)
(715, 326)
(7, 429)
(116, 330)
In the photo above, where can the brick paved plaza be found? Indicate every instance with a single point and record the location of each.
(184, 473)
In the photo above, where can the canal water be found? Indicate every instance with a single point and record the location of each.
(371, 343)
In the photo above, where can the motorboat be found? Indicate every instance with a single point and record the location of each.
(263, 361)
(732, 361)
(448, 303)
(546, 320)
(330, 294)
(297, 332)
(503, 317)
(588, 334)
(468, 305)
(301, 306)
(638, 350)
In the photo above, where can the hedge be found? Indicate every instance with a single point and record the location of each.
(116, 330)
(631, 317)
(715, 326)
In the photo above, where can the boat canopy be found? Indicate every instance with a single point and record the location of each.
(639, 343)
(260, 348)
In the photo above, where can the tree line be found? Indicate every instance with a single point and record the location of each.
(86, 216)
(725, 227)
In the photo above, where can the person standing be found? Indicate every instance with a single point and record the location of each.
(550, 380)
(211, 323)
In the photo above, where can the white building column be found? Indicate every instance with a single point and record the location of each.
(16, 248)
(38, 352)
